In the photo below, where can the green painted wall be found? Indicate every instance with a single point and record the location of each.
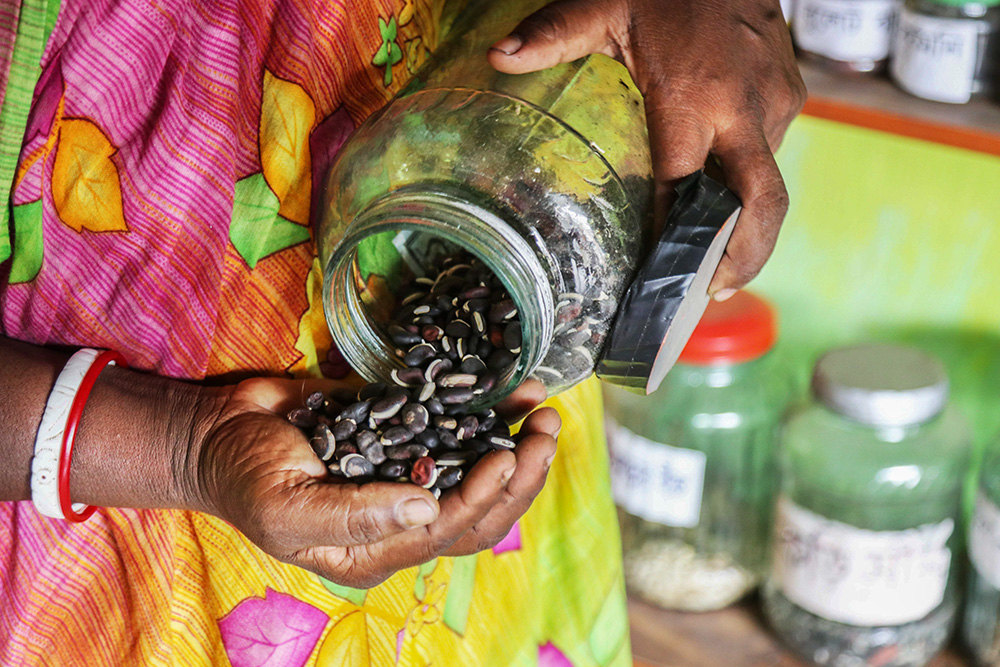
(890, 238)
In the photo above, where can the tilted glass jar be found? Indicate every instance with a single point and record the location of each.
(864, 566)
(692, 464)
(981, 626)
(545, 176)
(948, 50)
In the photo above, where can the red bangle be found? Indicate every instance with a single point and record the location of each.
(69, 435)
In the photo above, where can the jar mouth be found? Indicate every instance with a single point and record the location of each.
(361, 336)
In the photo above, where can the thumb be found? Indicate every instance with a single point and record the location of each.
(560, 32)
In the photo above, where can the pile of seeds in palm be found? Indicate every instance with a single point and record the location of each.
(458, 334)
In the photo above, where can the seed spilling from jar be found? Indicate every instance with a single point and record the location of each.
(458, 334)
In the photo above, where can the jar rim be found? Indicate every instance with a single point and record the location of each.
(464, 223)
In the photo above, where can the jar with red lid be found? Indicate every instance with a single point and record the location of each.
(692, 465)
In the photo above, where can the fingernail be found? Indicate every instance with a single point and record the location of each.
(509, 45)
(548, 461)
(415, 512)
(723, 294)
(507, 474)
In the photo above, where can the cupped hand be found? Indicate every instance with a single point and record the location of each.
(717, 77)
(258, 472)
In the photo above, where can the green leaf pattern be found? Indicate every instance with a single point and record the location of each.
(388, 53)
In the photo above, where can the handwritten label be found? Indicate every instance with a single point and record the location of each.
(654, 481)
(935, 58)
(846, 30)
(984, 540)
(856, 576)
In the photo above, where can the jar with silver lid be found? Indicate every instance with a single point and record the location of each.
(864, 563)
(845, 35)
(947, 50)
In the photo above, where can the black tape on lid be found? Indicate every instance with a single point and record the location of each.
(663, 304)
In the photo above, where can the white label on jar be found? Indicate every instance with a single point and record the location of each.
(984, 540)
(935, 58)
(846, 30)
(856, 576)
(654, 481)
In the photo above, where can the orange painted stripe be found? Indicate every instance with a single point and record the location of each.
(885, 121)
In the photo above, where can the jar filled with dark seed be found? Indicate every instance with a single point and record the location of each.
(865, 563)
(543, 178)
(981, 625)
(692, 465)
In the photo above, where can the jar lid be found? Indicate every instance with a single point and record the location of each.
(740, 329)
(881, 385)
(663, 304)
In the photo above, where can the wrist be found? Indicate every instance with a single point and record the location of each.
(194, 412)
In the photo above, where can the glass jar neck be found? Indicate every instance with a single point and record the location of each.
(457, 220)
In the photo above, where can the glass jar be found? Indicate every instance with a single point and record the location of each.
(692, 464)
(845, 35)
(981, 627)
(863, 569)
(545, 176)
(947, 50)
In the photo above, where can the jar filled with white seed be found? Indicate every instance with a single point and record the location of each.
(692, 464)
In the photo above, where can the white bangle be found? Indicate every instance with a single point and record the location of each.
(49, 440)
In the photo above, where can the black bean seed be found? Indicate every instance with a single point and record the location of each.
(304, 418)
(502, 311)
(316, 401)
(434, 406)
(500, 360)
(448, 439)
(512, 336)
(435, 368)
(458, 380)
(397, 435)
(472, 364)
(356, 411)
(344, 429)
(461, 348)
(501, 428)
(575, 338)
(479, 323)
(467, 427)
(478, 292)
(372, 450)
(485, 383)
(388, 406)
(458, 329)
(410, 450)
(455, 395)
(431, 333)
(334, 468)
(429, 438)
(402, 337)
(408, 377)
(323, 443)
(426, 391)
(500, 442)
(422, 321)
(456, 410)
(415, 417)
(424, 280)
(449, 423)
(392, 469)
(355, 465)
(448, 477)
(486, 424)
(485, 349)
(418, 354)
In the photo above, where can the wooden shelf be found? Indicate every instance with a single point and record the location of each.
(873, 101)
(734, 637)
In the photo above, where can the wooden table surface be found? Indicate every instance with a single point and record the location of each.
(734, 637)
